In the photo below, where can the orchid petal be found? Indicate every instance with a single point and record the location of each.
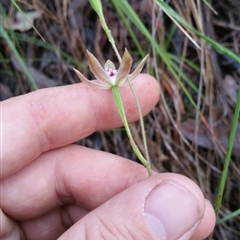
(97, 69)
(124, 68)
(138, 69)
(109, 65)
(91, 83)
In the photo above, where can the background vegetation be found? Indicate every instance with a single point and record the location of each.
(194, 55)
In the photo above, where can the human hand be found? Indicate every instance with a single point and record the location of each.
(50, 188)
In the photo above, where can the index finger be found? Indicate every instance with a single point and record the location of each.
(50, 118)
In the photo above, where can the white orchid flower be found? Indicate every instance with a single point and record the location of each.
(109, 76)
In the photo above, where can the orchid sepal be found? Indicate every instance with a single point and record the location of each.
(90, 83)
(108, 76)
(139, 68)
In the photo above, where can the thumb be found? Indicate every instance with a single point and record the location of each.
(165, 206)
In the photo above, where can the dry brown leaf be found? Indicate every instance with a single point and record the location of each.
(204, 138)
(5, 92)
(41, 79)
(230, 87)
(22, 22)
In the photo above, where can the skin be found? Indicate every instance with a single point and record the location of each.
(51, 188)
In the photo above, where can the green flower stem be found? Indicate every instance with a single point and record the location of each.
(120, 107)
(97, 6)
(110, 38)
(141, 120)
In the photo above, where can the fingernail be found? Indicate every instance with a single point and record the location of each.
(171, 211)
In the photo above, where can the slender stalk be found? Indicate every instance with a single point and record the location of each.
(141, 121)
(120, 107)
(111, 40)
(97, 6)
(138, 108)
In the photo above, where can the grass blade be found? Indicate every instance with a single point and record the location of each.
(228, 155)
(18, 57)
